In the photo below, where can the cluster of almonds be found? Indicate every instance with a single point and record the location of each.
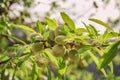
(56, 43)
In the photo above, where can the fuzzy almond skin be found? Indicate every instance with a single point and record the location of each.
(51, 42)
(51, 34)
(58, 50)
(72, 53)
(60, 39)
(37, 47)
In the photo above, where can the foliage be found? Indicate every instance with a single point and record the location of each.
(43, 56)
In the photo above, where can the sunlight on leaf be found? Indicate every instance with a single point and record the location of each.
(68, 21)
(81, 30)
(40, 27)
(101, 23)
(52, 24)
(23, 27)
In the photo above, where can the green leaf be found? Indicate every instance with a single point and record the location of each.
(101, 23)
(4, 66)
(3, 57)
(52, 24)
(68, 21)
(2, 28)
(93, 30)
(107, 35)
(23, 27)
(109, 53)
(66, 29)
(22, 60)
(16, 39)
(15, 70)
(81, 30)
(100, 51)
(34, 71)
(40, 27)
(74, 37)
(95, 59)
(111, 67)
(62, 68)
(21, 50)
(87, 28)
(52, 58)
(84, 49)
(45, 35)
(49, 73)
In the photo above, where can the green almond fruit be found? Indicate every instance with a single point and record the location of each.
(37, 47)
(60, 39)
(50, 42)
(58, 50)
(72, 53)
(51, 34)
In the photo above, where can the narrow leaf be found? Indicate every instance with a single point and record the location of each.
(21, 50)
(84, 49)
(23, 27)
(87, 28)
(62, 68)
(66, 29)
(34, 71)
(51, 23)
(49, 73)
(14, 38)
(101, 23)
(93, 30)
(2, 28)
(68, 21)
(100, 51)
(81, 30)
(95, 59)
(52, 58)
(109, 53)
(40, 27)
(111, 67)
(45, 35)
(21, 61)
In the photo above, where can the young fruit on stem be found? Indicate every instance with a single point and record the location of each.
(73, 55)
(51, 34)
(50, 42)
(60, 39)
(37, 47)
(58, 50)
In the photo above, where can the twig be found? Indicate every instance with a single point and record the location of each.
(11, 57)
